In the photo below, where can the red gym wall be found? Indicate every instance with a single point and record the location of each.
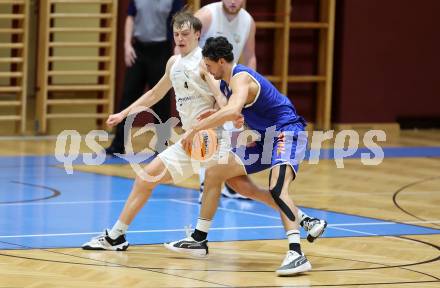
(303, 49)
(386, 57)
(386, 60)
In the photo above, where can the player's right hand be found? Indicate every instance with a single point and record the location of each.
(115, 119)
(130, 55)
(239, 122)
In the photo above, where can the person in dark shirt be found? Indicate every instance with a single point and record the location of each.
(148, 45)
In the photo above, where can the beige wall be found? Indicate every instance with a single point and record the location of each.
(82, 125)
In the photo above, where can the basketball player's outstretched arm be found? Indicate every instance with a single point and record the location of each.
(150, 98)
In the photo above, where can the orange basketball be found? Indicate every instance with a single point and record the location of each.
(204, 145)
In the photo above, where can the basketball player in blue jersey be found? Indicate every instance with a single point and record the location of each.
(266, 111)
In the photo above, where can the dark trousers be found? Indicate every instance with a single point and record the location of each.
(148, 68)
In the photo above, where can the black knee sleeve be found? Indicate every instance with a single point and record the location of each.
(276, 192)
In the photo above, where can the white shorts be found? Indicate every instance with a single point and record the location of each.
(181, 166)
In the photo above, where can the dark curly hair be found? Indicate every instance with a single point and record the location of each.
(218, 47)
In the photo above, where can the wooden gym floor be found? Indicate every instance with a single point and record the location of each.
(384, 224)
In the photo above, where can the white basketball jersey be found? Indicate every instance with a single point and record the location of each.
(236, 31)
(192, 93)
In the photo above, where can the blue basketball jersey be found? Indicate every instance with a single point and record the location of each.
(269, 108)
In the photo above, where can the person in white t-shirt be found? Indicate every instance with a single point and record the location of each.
(229, 19)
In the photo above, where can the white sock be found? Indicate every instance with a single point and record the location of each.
(203, 224)
(293, 236)
(202, 177)
(302, 215)
(294, 240)
(118, 229)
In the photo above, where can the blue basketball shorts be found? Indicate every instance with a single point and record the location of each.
(285, 145)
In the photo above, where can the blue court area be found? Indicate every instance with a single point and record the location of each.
(42, 206)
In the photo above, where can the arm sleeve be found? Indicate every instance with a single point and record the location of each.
(132, 11)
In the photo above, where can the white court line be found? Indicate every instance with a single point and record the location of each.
(79, 202)
(229, 210)
(354, 231)
(332, 226)
(61, 203)
(188, 201)
(220, 208)
(384, 223)
(182, 230)
(138, 231)
(373, 234)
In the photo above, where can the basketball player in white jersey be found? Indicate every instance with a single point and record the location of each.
(193, 97)
(228, 18)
